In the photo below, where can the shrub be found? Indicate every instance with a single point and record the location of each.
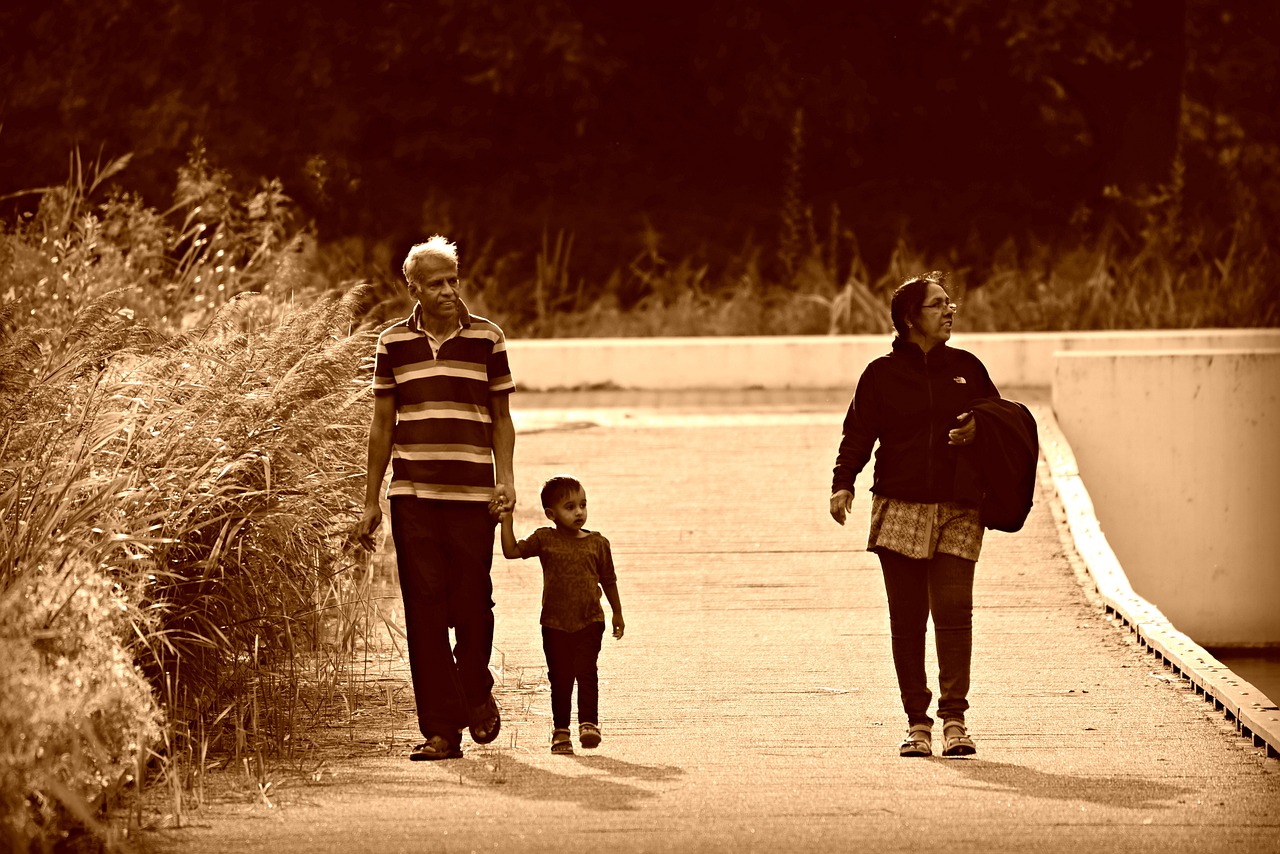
(78, 717)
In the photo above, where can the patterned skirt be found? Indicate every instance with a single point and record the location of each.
(921, 530)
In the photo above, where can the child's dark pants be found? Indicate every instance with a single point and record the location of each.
(572, 656)
(941, 585)
(444, 553)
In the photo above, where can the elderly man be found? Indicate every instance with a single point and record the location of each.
(442, 417)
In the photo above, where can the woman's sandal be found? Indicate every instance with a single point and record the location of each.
(919, 741)
(956, 741)
(561, 742)
(589, 735)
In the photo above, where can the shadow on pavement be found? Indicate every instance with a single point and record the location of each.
(1119, 791)
(596, 791)
(618, 768)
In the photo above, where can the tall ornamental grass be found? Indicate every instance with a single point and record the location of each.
(176, 478)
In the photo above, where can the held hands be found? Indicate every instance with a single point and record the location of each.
(619, 626)
(965, 431)
(503, 501)
(498, 510)
(841, 504)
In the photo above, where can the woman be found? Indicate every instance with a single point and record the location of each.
(918, 401)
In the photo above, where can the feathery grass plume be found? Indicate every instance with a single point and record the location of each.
(256, 470)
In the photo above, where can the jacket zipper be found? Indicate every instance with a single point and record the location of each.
(928, 382)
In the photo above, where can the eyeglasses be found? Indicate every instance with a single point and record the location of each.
(941, 304)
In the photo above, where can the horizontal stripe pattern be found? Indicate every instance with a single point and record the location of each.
(442, 447)
(440, 493)
(467, 453)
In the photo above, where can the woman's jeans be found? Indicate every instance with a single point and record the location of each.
(572, 656)
(941, 585)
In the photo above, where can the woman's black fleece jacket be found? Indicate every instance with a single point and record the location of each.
(909, 400)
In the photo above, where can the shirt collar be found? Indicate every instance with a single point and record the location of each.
(415, 318)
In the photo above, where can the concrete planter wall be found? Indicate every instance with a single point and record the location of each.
(836, 361)
(1180, 451)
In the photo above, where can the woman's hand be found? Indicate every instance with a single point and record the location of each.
(841, 504)
(965, 431)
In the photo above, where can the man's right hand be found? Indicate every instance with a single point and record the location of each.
(841, 504)
(369, 521)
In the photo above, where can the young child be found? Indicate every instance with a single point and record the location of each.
(576, 566)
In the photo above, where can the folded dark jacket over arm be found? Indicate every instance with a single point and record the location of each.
(998, 471)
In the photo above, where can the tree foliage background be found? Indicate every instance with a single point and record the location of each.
(960, 123)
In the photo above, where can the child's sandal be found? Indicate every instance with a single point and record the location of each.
(589, 735)
(561, 742)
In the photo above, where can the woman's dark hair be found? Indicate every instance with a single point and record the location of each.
(557, 488)
(909, 298)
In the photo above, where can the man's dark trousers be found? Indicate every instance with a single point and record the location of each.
(444, 554)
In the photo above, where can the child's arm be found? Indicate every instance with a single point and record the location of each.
(609, 584)
(509, 548)
(615, 604)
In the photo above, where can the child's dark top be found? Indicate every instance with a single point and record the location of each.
(573, 568)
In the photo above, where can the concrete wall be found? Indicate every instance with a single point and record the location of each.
(1181, 454)
(836, 361)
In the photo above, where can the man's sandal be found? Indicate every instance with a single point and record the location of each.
(561, 742)
(919, 741)
(486, 722)
(589, 735)
(956, 741)
(435, 748)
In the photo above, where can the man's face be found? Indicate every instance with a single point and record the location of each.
(435, 286)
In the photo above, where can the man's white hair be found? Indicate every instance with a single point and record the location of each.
(437, 246)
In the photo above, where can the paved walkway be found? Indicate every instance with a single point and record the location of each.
(752, 704)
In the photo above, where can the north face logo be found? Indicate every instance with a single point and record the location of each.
(959, 380)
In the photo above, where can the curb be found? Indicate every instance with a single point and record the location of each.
(1255, 716)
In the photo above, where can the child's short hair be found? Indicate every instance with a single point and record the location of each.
(557, 488)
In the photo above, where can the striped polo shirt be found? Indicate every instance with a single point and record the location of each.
(442, 446)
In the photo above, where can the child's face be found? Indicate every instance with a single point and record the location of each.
(570, 511)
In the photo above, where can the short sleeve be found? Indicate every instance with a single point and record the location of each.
(530, 546)
(384, 378)
(499, 370)
(606, 571)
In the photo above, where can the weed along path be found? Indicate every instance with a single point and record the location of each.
(752, 706)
